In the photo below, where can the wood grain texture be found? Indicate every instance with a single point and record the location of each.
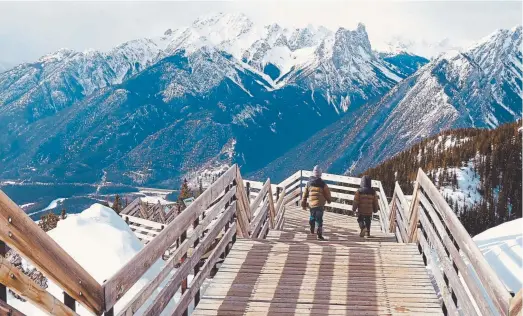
(20, 232)
(243, 212)
(465, 272)
(141, 297)
(8, 310)
(127, 276)
(442, 285)
(489, 279)
(14, 279)
(197, 282)
(516, 305)
(163, 298)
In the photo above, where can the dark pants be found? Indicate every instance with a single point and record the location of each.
(316, 217)
(364, 221)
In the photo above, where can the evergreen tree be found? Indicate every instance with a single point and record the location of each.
(117, 204)
(185, 193)
(48, 221)
(63, 214)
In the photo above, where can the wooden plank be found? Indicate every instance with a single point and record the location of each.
(343, 196)
(243, 212)
(144, 230)
(163, 298)
(272, 210)
(131, 207)
(294, 177)
(473, 286)
(254, 205)
(127, 276)
(198, 280)
(413, 213)
(489, 279)
(8, 310)
(343, 179)
(22, 284)
(392, 221)
(141, 221)
(143, 295)
(444, 290)
(142, 236)
(516, 305)
(292, 196)
(258, 219)
(464, 301)
(20, 232)
(342, 188)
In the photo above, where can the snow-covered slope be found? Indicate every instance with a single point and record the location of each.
(479, 87)
(222, 80)
(502, 246)
(97, 233)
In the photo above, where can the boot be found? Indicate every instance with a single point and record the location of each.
(312, 224)
(362, 232)
(367, 232)
(320, 233)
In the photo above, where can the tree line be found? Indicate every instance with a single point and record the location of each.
(494, 156)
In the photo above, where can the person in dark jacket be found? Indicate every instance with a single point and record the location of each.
(318, 194)
(365, 203)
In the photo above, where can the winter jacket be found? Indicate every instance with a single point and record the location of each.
(317, 192)
(365, 200)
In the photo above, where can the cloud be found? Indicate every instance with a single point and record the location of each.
(29, 30)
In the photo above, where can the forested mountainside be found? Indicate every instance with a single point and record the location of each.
(477, 170)
(478, 87)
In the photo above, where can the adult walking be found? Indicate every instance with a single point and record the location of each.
(365, 203)
(317, 192)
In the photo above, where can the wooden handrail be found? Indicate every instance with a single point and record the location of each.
(128, 275)
(167, 293)
(441, 229)
(20, 232)
(516, 305)
(141, 297)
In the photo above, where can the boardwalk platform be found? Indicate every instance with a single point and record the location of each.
(291, 273)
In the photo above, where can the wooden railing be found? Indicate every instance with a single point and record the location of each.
(342, 190)
(196, 239)
(455, 259)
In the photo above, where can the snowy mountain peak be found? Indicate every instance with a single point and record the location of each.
(57, 56)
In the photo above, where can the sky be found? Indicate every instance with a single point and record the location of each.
(29, 30)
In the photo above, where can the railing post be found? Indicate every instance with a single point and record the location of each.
(109, 312)
(184, 257)
(278, 190)
(248, 189)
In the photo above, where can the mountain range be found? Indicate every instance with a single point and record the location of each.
(225, 90)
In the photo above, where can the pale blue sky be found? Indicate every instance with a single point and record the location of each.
(31, 29)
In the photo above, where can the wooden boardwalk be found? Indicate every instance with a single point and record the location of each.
(291, 273)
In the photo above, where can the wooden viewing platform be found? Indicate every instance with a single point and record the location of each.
(291, 273)
(252, 241)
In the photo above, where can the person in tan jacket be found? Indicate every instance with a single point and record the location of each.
(365, 203)
(318, 193)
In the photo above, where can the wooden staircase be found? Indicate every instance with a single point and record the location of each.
(253, 241)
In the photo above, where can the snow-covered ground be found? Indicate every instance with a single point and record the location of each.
(502, 246)
(52, 205)
(101, 242)
(468, 183)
